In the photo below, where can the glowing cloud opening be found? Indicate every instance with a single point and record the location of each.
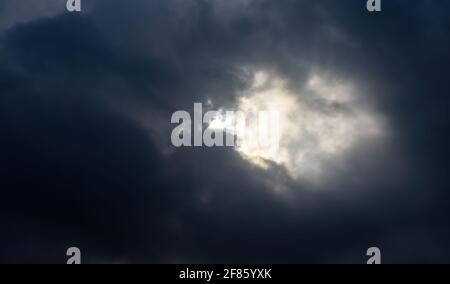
(321, 122)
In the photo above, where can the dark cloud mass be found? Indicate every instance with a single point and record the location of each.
(85, 154)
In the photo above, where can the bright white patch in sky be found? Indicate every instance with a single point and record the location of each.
(321, 122)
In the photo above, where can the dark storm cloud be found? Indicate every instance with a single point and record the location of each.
(13, 12)
(76, 171)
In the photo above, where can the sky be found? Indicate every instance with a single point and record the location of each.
(86, 158)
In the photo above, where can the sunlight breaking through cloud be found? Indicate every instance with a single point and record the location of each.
(320, 123)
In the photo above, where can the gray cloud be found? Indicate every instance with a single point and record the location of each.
(85, 111)
(16, 12)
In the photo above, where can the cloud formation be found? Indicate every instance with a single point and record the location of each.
(86, 159)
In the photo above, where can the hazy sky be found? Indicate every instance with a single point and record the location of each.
(86, 158)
